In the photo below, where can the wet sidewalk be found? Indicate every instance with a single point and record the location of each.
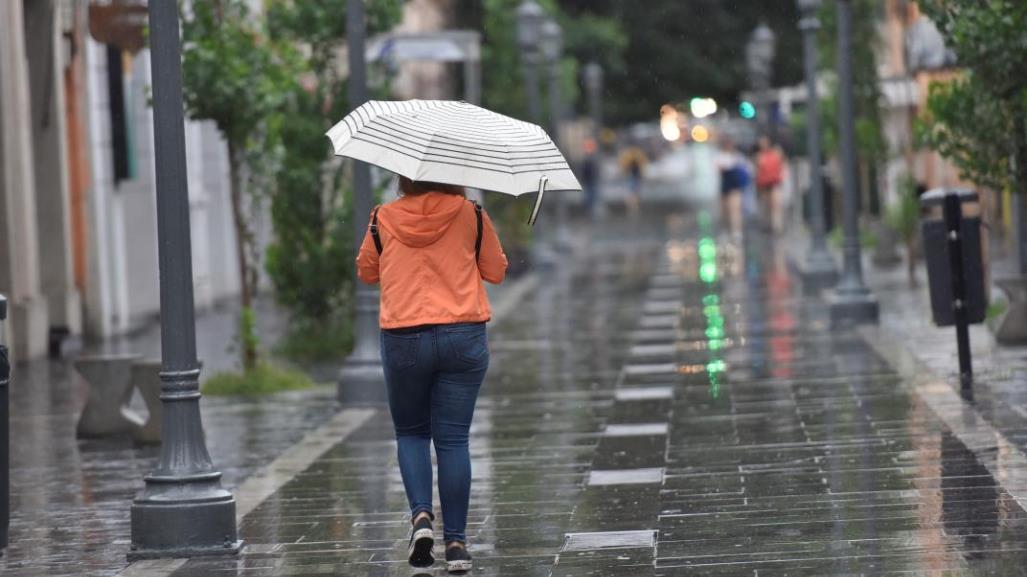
(672, 405)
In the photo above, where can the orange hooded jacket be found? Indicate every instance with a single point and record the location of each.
(427, 271)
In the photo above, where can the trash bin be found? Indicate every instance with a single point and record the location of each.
(5, 431)
(936, 245)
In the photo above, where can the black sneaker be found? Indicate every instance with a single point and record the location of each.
(422, 540)
(458, 560)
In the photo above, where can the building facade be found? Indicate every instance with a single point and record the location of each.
(78, 253)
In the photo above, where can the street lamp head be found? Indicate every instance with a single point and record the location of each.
(763, 41)
(552, 40)
(529, 25)
(809, 7)
(593, 75)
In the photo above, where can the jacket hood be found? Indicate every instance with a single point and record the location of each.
(418, 221)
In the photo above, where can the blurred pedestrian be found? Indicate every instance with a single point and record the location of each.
(633, 162)
(590, 177)
(430, 250)
(769, 177)
(734, 179)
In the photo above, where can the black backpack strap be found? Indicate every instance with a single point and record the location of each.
(374, 230)
(477, 241)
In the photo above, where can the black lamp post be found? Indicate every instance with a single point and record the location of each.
(851, 301)
(183, 511)
(819, 271)
(760, 52)
(593, 78)
(552, 50)
(362, 374)
(529, 30)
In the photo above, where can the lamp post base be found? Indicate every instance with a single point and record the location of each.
(849, 308)
(361, 381)
(817, 272)
(169, 524)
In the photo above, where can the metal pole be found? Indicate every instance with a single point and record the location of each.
(5, 430)
(594, 84)
(183, 511)
(851, 302)
(531, 85)
(563, 236)
(363, 368)
(819, 270)
(953, 225)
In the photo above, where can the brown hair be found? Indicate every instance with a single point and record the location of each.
(416, 187)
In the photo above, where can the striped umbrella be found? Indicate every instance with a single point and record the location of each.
(454, 143)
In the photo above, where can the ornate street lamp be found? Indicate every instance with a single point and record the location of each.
(819, 271)
(851, 301)
(183, 511)
(759, 55)
(551, 41)
(362, 375)
(593, 79)
(529, 30)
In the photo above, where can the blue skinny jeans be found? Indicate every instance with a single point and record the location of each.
(433, 375)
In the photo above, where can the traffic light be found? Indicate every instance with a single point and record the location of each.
(747, 110)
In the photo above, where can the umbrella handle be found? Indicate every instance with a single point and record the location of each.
(542, 182)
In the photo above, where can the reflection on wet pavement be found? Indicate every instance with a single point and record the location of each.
(670, 406)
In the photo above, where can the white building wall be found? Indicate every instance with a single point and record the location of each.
(123, 263)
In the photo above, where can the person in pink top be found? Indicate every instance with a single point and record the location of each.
(769, 176)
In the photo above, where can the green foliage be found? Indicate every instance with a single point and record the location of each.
(989, 38)
(315, 341)
(235, 76)
(263, 379)
(971, 128)
(978, 122)
(310, 260)
(247, 337)
(232, 73)
(904, 215)
(995, 310)
(867, 238)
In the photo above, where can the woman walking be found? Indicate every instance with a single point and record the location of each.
(430, 250)
(769, 176)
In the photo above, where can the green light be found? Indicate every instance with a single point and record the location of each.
(707, 249)
(717, 366)
(715, 332)
(711, 300)
(747, 110)
(715, 344)
(708, 272)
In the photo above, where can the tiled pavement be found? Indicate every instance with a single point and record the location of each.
(672, 408)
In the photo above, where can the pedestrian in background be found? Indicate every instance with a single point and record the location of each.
(769, 177)
(633, 162)
(590, 177)
(734, 179)
(430, 250)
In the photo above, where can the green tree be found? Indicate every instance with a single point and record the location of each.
(679, 49)
(233, 75)
(979, 121)
(310, 260)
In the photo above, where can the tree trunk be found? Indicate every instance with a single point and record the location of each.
(243, 238)
(1020, 159)
(911, 262)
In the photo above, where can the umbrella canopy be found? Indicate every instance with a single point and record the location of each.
(454, 143)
